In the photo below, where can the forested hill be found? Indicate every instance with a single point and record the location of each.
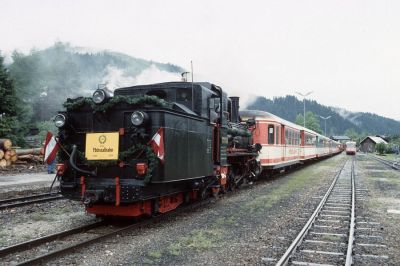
(341, 120)
(44, 79)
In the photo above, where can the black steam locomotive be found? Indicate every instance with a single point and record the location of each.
(147, 149)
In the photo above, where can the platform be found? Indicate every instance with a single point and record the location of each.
(17, 179)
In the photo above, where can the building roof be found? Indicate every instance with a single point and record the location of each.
(376, 140)
(340, 138)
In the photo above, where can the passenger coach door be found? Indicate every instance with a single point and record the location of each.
(283, 141)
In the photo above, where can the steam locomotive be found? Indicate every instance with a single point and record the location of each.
(148, 149)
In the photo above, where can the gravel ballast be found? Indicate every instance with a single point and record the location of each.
(251, 226)
(379, 203)
(247, 227)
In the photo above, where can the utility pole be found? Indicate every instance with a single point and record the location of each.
(304, 104)
(325, 118)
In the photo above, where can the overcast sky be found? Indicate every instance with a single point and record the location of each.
(346, 52)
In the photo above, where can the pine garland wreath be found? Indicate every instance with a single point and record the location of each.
(76, 104)
(137, 150)
(133, 153)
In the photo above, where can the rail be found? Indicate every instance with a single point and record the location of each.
(392, 164)
(41, 259)
(337, 194)
(349, 254)
(22, 201)
(299, 239)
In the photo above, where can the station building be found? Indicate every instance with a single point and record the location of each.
(368, 143)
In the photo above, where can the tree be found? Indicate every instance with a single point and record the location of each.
(380, 148)
(352, 134)
(9, 125)
(312, 121)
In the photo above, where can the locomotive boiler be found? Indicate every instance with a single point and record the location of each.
(147, 149)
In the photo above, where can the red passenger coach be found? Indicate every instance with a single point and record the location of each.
(285, 143)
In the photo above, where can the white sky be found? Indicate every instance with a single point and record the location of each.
(347, 52)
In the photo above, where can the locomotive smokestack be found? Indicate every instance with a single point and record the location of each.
(234, 109)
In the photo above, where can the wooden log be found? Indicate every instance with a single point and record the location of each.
(7, 155)
(8, 163)
(25, 157)
(20, 162)
(14, 158)
(1, 154)
(31, 158)
(3, 163)
(5, 144)
(13, 152)
(35, 151)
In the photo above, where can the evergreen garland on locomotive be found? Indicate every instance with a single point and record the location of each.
(147, 149)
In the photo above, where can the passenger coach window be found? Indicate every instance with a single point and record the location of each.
(270, 134)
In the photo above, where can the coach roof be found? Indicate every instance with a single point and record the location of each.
(261, 115)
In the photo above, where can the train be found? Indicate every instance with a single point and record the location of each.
(285, 144)
(351, 147)
(147, 149)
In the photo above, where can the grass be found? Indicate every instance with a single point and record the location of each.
(199, 240)
(202, 239)
(148, 261)
(154, 254)
(375, 204)
(175, 249)
(232, 220)
(295, 181)
(212, 237)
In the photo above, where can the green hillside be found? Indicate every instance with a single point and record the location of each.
(44, 79)
(289, 107)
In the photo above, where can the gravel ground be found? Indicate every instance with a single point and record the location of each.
(252, 226)
(381, 203)
(247, 227)
(32, 221)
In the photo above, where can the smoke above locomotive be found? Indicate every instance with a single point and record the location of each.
(147, 149)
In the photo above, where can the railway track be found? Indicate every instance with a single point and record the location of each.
(392, 164)
(334, 235)
(31, 253)
(22, 201)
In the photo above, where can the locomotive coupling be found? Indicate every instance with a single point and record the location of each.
(92, 196)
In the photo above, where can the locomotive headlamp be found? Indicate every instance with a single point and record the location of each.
(99, 96)
(138, 118)
(59, 120)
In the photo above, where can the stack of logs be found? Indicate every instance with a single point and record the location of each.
(9, 155)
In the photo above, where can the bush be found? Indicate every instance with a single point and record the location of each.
(381, 148)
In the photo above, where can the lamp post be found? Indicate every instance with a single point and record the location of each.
(304, 104)
(325, 118)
